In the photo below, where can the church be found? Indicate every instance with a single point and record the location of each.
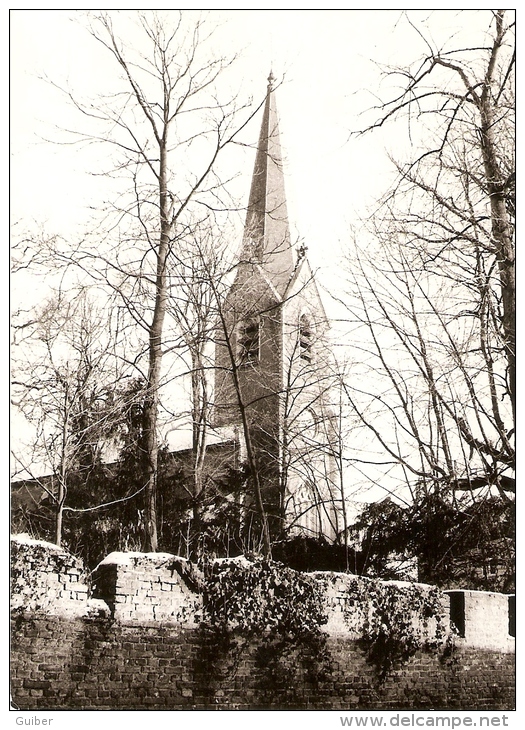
(273, 367)
(275, 448)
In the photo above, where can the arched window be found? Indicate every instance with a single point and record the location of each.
(305, 339)
(248, 341)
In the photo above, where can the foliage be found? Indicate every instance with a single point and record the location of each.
(263, 596)
(469, 546)
(396, 620)
(382, 530)
(106, 506)
(207, 524)
(265, 599)
(90, 530)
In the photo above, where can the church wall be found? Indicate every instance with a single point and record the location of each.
(312, 494)
(259, 381)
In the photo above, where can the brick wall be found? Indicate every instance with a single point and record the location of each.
(97, 664)
(46, 577)
(148, 587)
(132, 639)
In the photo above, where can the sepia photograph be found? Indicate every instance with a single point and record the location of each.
(263, 366)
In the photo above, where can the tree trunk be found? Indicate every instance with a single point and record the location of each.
(59, 515)
(501, 232)
(200, 420)
(150, 414)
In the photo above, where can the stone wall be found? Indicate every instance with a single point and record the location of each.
(133, 638)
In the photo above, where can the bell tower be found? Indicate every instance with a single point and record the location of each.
(272, 364)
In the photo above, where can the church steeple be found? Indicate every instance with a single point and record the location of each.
(266, 234)
(272, 359)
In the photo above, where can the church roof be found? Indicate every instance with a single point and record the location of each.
(266, 234)
(302, 278)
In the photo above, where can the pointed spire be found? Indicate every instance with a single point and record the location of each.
(266, 232)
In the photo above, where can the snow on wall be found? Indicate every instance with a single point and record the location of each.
(162, 588)
(46, 578)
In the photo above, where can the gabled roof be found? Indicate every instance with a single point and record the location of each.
(266, 234)
(303, 276)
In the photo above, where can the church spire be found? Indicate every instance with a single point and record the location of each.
(266, 234)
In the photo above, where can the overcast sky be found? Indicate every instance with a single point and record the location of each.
(329, 63)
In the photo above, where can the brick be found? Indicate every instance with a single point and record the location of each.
(36, 684)
(116, 667)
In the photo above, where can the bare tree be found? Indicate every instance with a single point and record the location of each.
(427, 378)
(435, 291)
(67, 376)
(201, 258)
(168, 129)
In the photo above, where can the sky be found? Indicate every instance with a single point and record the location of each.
(326, 61)
(329, 68)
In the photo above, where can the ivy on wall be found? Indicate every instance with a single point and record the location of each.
(396, 620)
(35, 570)
(283, 608)
(262, 596)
